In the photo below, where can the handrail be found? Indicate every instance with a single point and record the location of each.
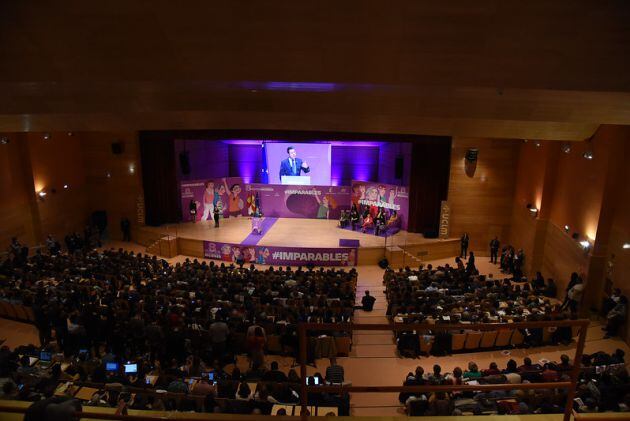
(304, 328)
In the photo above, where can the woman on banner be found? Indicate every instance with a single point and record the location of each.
(208, 200)
(325, 203)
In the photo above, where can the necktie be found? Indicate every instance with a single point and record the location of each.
(293, 165)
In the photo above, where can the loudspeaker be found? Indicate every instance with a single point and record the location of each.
(184, 163)
(430, 234)
(118, 148)
(471, 154)
(399, 168)
(99, 220)
(383, 263)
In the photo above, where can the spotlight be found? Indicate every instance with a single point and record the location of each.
(566, 229)
(46, 136)
(566, 148)
(585, 244)
(537, 144)
(4, 140)
(65, 187)
(626, 246)
(108, 174)
(132, 169)
(588, 155)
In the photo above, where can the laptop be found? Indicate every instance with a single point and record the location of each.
(45, 358)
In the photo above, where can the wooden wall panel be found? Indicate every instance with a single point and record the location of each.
(481, 204)
(562, 256)
(117, 194)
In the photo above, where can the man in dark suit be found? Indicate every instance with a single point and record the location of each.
(494, 250)
(293, 165)
(464, 245)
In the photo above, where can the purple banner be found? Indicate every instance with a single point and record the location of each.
(281, 201)
(388, 197)
(280, 256)
(226, 194)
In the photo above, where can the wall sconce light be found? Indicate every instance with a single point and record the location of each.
(65, 187)
(566, 148)
(533, 211)
(588, 155)
(626, 246)
(46, 136)
(108, 174)
(132, 169)
(585, 244)
(4, 140)
(537, 144)
(566, 229)
(42, 195)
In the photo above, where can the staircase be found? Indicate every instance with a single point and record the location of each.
(165, 246)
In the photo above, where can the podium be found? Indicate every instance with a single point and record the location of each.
(297, 180)
(257, 225)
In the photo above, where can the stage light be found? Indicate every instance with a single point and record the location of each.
(46, 136)
(566, 229)
(566, 148)
(537, 144)
(588, 155)
(4, 140)
(585, 244)
(626, 246)
(65, 187)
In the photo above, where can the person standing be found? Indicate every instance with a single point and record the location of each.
(192, 208)
(125, 227)
(464, 245)
(494, 250)
(216, 215)
(470, 266)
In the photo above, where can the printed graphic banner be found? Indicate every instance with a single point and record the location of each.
(280, 256)
(323, 202)
(378, 195)
(228, 194)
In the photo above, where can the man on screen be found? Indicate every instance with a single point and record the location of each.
(293, 165)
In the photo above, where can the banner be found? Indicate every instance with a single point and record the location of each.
(228, 194)
(281, 201)
(372, 196)
(280, 256)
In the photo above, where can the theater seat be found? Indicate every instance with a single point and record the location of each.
(458, 341)
(344, 345)
(503, 337)
(426, 344)
(472, 340)
(517, 338)
(488, 339)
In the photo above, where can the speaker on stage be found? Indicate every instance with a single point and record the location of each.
(399, 167)
(383, 263)
(184, 162)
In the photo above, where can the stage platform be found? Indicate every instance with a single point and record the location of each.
(402, 248)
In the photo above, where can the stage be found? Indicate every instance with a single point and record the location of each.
(402, 248)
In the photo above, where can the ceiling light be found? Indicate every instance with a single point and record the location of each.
(626, 246)
(46, 136)
(588, 155)
(108, 174)
(585, 244)
(70, 133)
(65, 186)
(537, 144)
(566, 148)
(132, 168)
(566, 228)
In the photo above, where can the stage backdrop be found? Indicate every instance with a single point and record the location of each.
(382, 195)
(227, 193)
(324, 202)
(280, 256)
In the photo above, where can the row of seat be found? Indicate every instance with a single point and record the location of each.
(16, 312)
(485, 340)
